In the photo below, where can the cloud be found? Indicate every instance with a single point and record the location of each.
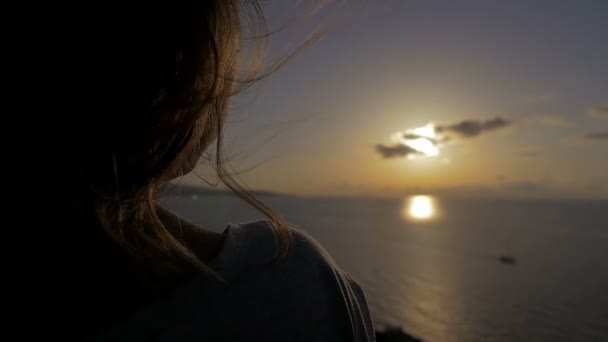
(397, 150)
(409, 136)
(474, 128)
(427, 140)
(598, 112)
(596, 136)
(413, 136)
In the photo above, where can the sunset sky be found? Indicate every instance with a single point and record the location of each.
(512, 95)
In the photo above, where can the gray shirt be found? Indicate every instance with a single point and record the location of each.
(302, 296)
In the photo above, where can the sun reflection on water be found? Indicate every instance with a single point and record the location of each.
(419, 208)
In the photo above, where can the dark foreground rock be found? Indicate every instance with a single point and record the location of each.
(395, 334)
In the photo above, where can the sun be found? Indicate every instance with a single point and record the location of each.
(427, 131)
(423, 142)
(421, 139)
(424, 146)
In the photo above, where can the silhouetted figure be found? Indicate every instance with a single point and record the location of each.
(104, 103)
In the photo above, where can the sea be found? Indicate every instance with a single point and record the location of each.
(454, 269)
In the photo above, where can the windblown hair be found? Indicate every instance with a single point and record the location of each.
(114, 99)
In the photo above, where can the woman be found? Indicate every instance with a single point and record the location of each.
(111, 102)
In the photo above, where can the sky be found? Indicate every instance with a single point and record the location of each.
(474, 98)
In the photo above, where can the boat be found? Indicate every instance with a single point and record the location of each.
(506, 259)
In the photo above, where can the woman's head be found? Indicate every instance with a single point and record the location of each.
(122, 96)
(158, 79)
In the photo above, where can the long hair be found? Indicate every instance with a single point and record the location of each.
(114, 99)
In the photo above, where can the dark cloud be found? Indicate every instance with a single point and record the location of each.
(597, 136)
(396, 151)
(474, 128)
(409, 136)
(413, 136)
(445, 133)
(599, 112)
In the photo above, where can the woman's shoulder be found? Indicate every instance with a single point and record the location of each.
(255, 245)
(304, 285)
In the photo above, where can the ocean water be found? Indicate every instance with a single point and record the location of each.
(431, 265)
